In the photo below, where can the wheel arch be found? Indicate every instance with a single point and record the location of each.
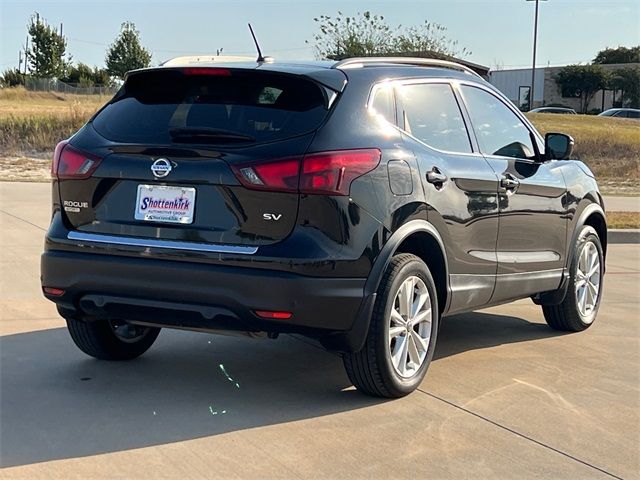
(592, 215)
(420, 238)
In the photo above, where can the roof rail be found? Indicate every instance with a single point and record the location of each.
(205, 59)
(418, 62)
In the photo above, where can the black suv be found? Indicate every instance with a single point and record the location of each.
(356, 202)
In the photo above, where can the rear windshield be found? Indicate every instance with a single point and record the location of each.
(249, 106)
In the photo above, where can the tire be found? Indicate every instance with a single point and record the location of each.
(99, 338)
(571, 315)
(382, 368)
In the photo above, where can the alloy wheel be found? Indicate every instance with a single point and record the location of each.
(410, 325)
(587, 284)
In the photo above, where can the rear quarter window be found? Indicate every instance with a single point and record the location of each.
(263, 105)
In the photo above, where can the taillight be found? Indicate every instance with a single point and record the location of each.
(279, 176)
(331, 173)
(69, 162)
(325, 173)
(56, 157)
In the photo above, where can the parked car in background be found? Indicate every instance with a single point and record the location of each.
(356, 202)
(560, 110)
(621, 113)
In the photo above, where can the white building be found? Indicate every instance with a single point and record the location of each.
(516, 84)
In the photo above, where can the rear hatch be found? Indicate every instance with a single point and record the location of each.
(194, 154)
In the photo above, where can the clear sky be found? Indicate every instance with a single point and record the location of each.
(496, 31)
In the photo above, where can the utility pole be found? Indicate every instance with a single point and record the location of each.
(535, 45)
(26, 54)
(37, 63)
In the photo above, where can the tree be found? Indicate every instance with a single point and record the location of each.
(366, 34)
(101, 77)
(428, 37)
(48, 49)
(126, 52)
(12, 78)
(618, 55)
(86, 76)
(628, 81)
(582, 81)
(80, 73)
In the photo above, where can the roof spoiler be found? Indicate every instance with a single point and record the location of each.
(188, 59)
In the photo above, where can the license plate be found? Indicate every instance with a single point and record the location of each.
(156, 203)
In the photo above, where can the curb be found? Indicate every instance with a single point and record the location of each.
(631, 235)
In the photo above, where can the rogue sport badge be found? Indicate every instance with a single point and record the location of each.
(161, 168)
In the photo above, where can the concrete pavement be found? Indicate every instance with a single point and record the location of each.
(505, 397)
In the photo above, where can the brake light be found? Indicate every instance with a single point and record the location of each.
(325, 173)
(68, 162)
(221, 72)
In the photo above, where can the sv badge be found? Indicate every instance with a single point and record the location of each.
(272, 216)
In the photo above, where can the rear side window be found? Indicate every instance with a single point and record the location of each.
(245, 105)
(633, 114)
(433, 116)
(384, 103)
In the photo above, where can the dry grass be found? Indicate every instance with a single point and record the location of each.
(623, 220)
(610, 146)
(38, 133)
(33, 122)
(20, 102)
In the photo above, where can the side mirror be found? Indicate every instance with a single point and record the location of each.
(558, 146)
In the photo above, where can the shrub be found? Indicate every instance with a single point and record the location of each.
(12, 78)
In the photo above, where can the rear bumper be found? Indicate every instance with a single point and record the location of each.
(201, 296)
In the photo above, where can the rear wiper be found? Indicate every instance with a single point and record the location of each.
(206, 135)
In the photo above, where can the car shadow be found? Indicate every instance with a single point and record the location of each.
(478, 330)
(57, 403)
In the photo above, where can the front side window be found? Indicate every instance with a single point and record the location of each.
(499, 131)
(433, 116)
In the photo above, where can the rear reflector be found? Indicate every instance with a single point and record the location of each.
(69, 162)
(53, 291)
(325, 173)
(223, 72)
(273, 315)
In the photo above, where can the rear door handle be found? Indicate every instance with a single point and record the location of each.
(509, 183)
(436, 177)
